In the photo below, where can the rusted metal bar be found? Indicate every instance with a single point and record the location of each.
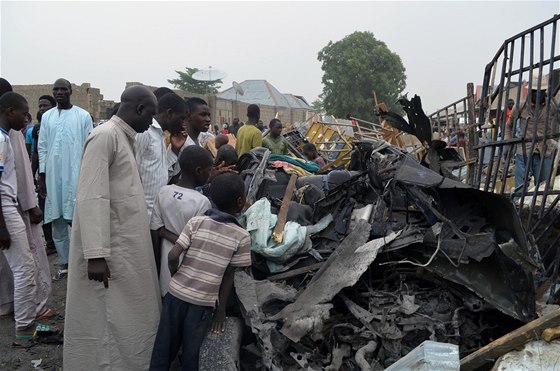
(548, 122)
(515, 141)
(535, 126)
(494, 130)
(526, 157)
(523, 60)
(501, 118)
(471, 132)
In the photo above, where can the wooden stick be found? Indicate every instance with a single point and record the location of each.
(511, 341)
(278, 234)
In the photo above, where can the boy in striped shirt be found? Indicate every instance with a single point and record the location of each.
(215, 244)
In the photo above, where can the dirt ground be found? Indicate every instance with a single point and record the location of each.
(19, 358)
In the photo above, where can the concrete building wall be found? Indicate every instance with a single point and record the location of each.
(222, 110)
(225, 110)
(83, 96)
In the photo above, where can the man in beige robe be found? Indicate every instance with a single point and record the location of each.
(112, 325)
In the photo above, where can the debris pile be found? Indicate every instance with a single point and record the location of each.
(354, 269)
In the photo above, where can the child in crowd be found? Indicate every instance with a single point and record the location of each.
(221, 140)
(274, 141)
(226, 156)
(214, 245)
(310, 152)
(176, 204)
(13, 236)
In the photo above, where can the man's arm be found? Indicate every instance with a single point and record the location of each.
(510, 124)
(93, 207)
(172, 152)
(35, 154)
(88, 124)
(34, 162)
(156, 245)
(285, 149)
(241, 258)
(167, 234)
(4, 235)
(219, 323)
(182, 245)
(141, 143)
(257, 140)
(42, 152)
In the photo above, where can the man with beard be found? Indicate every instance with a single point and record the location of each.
(61, 141)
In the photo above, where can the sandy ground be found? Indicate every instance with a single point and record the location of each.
(13, 358)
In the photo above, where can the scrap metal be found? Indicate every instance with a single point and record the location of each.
(410, 255)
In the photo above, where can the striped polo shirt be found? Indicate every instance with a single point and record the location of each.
(212, 243)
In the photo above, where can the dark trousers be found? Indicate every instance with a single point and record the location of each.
(47, 229)
(180, 322)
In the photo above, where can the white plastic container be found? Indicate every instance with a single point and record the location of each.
(429, 356)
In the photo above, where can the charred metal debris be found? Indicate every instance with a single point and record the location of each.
(352, 269)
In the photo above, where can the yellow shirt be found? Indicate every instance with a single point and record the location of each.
(248, 137)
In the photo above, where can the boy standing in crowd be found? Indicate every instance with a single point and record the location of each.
(13, 236)
(176, 204)
(215, 244)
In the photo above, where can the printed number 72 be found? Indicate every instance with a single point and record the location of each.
(178, 195)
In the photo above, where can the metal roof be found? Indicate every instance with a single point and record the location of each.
(263, 92)
(297, 102)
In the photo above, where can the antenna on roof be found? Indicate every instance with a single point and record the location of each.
(209, 74)
(238, 89)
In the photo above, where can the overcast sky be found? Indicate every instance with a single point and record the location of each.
(443, 45)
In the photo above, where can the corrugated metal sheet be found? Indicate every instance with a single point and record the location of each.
(297, 102)
(263, 92)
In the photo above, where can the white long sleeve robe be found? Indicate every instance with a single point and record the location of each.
(114, 328)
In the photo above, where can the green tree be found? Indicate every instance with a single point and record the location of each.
(353, 68)
(318, 105)
(185, 82)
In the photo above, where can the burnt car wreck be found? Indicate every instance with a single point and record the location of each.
(358, 266)
(396, 254)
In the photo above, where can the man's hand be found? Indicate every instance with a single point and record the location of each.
(98, 270)
(42, 187)
(4, 239)
(221, 169)
(177, 141)
(173, 259)
(36, 215)
(219, 323)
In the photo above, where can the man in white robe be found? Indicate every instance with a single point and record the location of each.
(112, 325)
(32, 217)
(64, 130)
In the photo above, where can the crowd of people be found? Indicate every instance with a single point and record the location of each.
(140, 214)
(524, 129)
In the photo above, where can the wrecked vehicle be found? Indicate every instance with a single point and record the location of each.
(354, 269)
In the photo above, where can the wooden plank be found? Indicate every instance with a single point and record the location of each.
(295, 272)
(278, 233)
(551, 333)
(511, 341)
